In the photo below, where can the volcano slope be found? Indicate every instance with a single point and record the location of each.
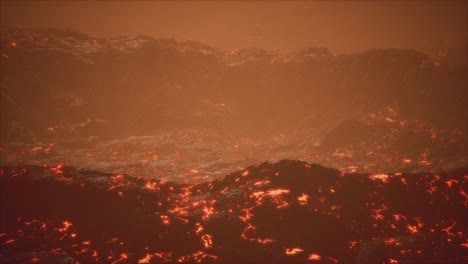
(76, 85)
(284, 212)
(188, 112)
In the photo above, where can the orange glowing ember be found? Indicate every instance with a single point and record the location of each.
(207, 240)
(392, 241)
(58, 169)
(277, 192)
(265, 240)
(165, 219)
(208, 212)
(412, 228)
(9, 241)
(123, 257)
(451, 182)
(34, 149)
(260, 183)
(66, 225)
(293, 251)
(381, 177)
(303, 199)
(146, 259)
(425, 163)
(314, 257)
(151, 185)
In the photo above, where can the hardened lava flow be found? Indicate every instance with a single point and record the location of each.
(284, 212)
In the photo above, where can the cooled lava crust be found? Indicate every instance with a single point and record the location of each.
(285, 212)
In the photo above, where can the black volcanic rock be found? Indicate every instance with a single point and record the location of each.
(285, 212)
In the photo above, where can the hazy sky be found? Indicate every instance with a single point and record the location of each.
(342, 26)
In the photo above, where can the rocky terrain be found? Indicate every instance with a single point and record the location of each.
(285, 212)
(141, 105)
(140, 150)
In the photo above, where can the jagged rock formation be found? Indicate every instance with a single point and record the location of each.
(123, 86)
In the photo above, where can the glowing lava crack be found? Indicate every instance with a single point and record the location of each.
(286, 212)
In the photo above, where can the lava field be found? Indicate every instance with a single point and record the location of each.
(136, 149)
(284, 212)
